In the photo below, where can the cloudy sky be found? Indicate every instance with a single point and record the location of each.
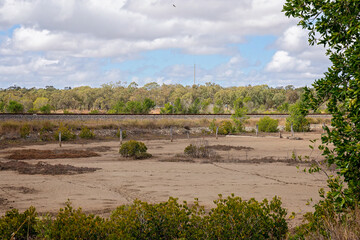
(92, 42)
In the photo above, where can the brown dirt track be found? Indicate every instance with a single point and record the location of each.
(259, 167)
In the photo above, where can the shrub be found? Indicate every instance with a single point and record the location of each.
(66, 133)
(25, 131)
(133, 149)
(15, 225)
(14, 107)
(200, 150)
(72, 224)
(226, 128)
(141, 220)
(234, 218)
(86, 133)
(267, 124)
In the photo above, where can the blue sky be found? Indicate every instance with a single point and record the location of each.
(92, 42)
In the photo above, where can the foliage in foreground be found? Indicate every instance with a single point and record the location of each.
(232, 218)
(336, 26)
(326, 222)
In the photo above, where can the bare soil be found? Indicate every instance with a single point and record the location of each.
(249, 167)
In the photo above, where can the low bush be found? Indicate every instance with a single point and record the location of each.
(225, 127)
(200, 149)
(66, 133)
(72, 224)
(25, 131)
(15, 225)
(231, 218)
(267, 124)
(234, 218)
(86, 133)
(134, 149)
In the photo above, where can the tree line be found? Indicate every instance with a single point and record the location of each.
(175, 98)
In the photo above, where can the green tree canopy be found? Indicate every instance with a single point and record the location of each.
(335, 25)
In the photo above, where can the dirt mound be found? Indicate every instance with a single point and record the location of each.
(43, 168)
(228, 147)
(50, 154)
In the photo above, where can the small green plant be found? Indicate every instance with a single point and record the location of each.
(134, 149)
(267, 124)
(25, 131)
(86, 133)
(66, 133)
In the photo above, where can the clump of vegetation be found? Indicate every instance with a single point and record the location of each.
(231, 218)
(134, 149)
(267, 124)
(225, 127)
(25, 131)
(86, 133)
(72, 224)
(200, 149)
(66, 133)
(15, 225)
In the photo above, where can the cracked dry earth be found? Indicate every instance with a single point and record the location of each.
(250, 168)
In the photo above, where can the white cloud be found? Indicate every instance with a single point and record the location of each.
(294, 39)
(66, 41)
(283, 62)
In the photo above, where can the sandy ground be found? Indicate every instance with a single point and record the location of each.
(120, 181)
